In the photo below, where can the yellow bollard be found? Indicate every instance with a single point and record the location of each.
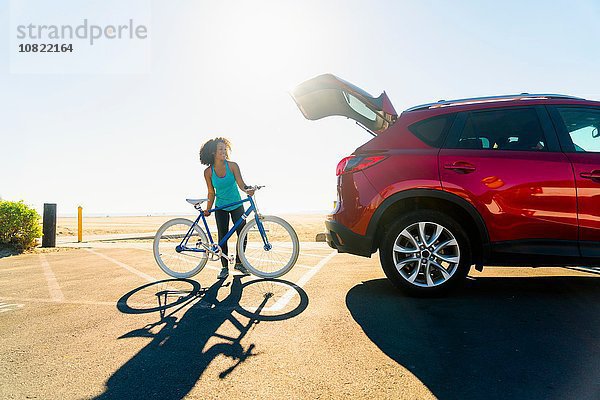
(79, 223)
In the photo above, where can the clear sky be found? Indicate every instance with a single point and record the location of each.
(128, 143)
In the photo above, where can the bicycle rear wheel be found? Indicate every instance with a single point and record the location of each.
(276, 258)
(179, 264)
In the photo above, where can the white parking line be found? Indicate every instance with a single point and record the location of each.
(55, 293)
(311, 255)
(189, 261)
(281, 303)
(80, 302)
(135, 246)
(288, 252)
(307, 276)
(592, 270)
(139, 273)
(285, 299)
(4, 307)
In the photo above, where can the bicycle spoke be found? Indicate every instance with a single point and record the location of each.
(179, 264)
(272, 261)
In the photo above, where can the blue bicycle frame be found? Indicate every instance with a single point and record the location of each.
(183, 245)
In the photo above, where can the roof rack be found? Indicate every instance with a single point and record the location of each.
(491, 99)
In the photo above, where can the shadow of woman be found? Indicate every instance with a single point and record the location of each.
(170, 365)
(500, 338)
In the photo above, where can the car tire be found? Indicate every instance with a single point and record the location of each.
(425, 253)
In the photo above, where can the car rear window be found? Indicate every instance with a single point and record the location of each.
(433, 130)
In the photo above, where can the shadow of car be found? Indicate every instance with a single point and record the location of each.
(500, 338)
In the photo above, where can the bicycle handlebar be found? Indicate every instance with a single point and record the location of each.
(256, 187)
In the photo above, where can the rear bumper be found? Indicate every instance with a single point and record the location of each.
(345, 241)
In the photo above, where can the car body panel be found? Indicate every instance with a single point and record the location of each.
(520, 194)
(405, 169)
(355, 207)
(588, 199)
(586, 165)
(382, 180)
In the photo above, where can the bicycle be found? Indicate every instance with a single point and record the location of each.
(267, 246)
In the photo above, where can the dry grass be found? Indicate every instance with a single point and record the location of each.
(307, 226)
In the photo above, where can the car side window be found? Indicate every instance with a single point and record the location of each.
(583, 126)
(433, 130)
(506, 129)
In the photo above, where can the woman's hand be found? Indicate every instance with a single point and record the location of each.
(206, 213)
(249, 192)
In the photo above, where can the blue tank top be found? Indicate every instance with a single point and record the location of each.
(226, 190)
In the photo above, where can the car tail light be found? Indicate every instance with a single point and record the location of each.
(356, 163)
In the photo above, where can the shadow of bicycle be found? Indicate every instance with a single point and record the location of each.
(499, 338)
(181, 348)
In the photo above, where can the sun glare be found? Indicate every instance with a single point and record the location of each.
(266, 44)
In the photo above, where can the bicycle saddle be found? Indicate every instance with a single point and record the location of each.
(196, 202)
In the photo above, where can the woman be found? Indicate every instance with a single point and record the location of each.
(221, 177)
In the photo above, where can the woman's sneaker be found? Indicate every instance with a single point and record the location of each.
(240, 267)
(224, 273)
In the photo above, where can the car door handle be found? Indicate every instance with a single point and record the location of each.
(461, 167)
(594, 175)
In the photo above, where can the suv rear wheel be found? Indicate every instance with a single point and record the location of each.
(425, 252)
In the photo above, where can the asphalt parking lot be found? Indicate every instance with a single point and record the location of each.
(104, 322)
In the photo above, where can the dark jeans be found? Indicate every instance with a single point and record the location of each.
(222, 217)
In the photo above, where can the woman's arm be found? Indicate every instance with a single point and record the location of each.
(211, 190)
(238, 178)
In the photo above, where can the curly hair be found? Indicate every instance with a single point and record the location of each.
(208, 150)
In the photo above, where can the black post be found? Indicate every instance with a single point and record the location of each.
(49, 231)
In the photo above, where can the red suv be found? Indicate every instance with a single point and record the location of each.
(506, 180)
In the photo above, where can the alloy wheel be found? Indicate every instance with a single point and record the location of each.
(426, 254)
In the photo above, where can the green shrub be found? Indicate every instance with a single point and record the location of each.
(19, 225)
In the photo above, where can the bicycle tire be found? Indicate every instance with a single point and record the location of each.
(274, 262)
(183, 264)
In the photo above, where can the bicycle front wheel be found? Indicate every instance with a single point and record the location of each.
(273, 259)
(170, 258)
